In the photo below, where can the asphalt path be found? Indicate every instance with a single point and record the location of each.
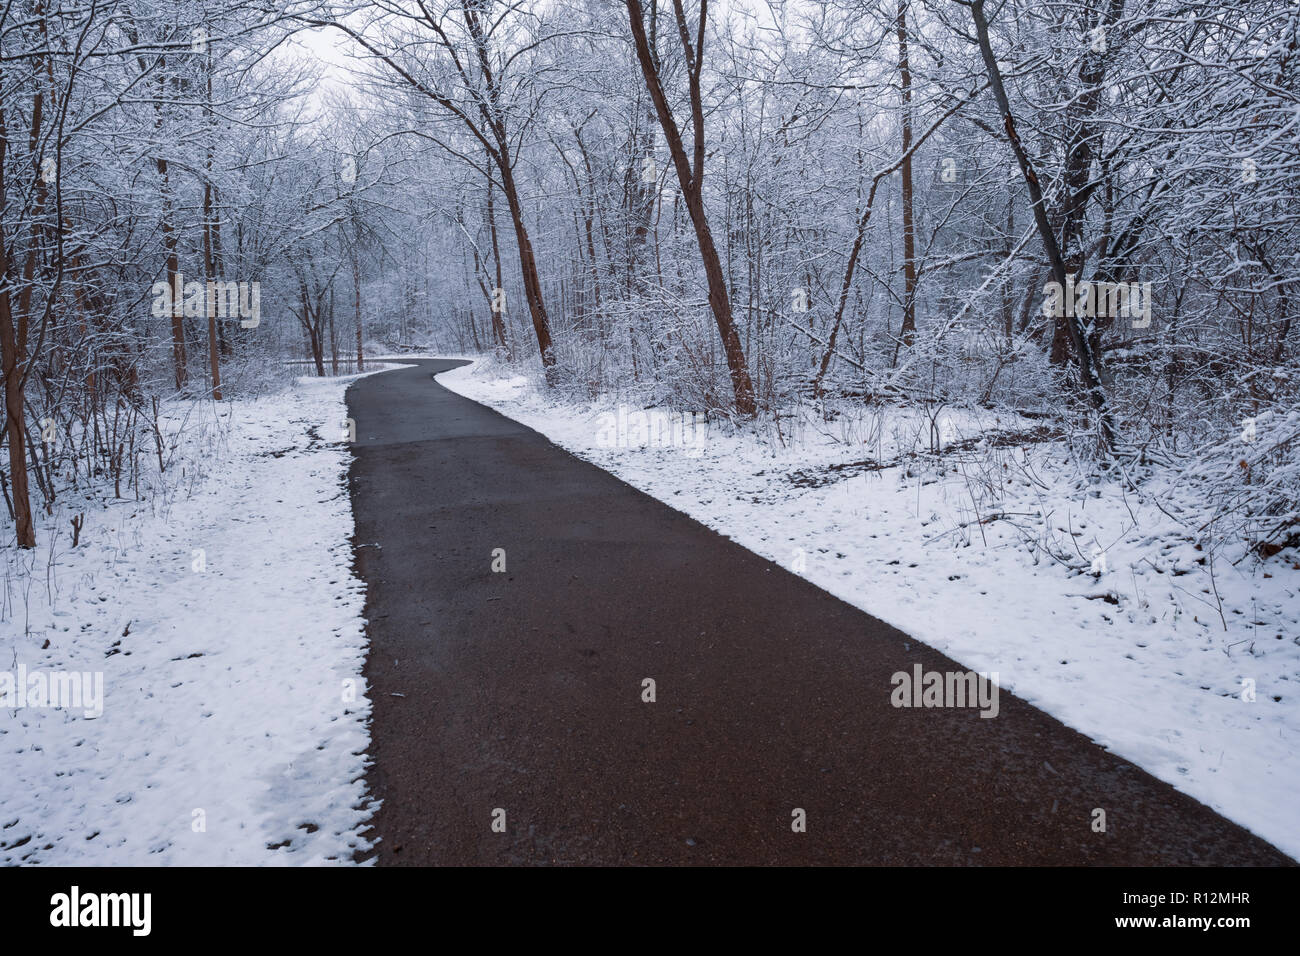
(510, 724)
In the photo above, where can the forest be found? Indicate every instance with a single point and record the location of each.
(566, 353)
(738, 209)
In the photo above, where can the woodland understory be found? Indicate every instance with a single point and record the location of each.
(762, 212)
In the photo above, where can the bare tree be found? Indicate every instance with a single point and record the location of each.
(486, 91)
(690, 175)
(1087, 361)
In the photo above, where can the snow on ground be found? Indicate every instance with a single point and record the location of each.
(224, 618)
(1088, 601)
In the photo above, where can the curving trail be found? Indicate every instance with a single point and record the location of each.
(523, 690)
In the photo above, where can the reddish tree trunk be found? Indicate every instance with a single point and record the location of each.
(692, 183)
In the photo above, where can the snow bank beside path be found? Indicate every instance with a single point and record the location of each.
(1089, 602)
(226, 622)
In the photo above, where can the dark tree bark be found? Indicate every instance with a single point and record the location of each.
(1082, 146)
(498, 320)
(909, 232)
(501, 153)
(10, 350)
(179, 359)
(334, 342)
(1087, 362)
(209, 255)
(356, 307)
(690, 174)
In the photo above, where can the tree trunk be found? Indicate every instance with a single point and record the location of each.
(527, 263)
(209, 258)
(496, 125)
(1078, 338)
(641, 195)
(909, 234)
(356, 303)
(218, 263)
(10, 350)
(317, 350)
(498, 320)
(210, 289)
(179, 360)
(692, 184)
(334, 342)
(1082, 146)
